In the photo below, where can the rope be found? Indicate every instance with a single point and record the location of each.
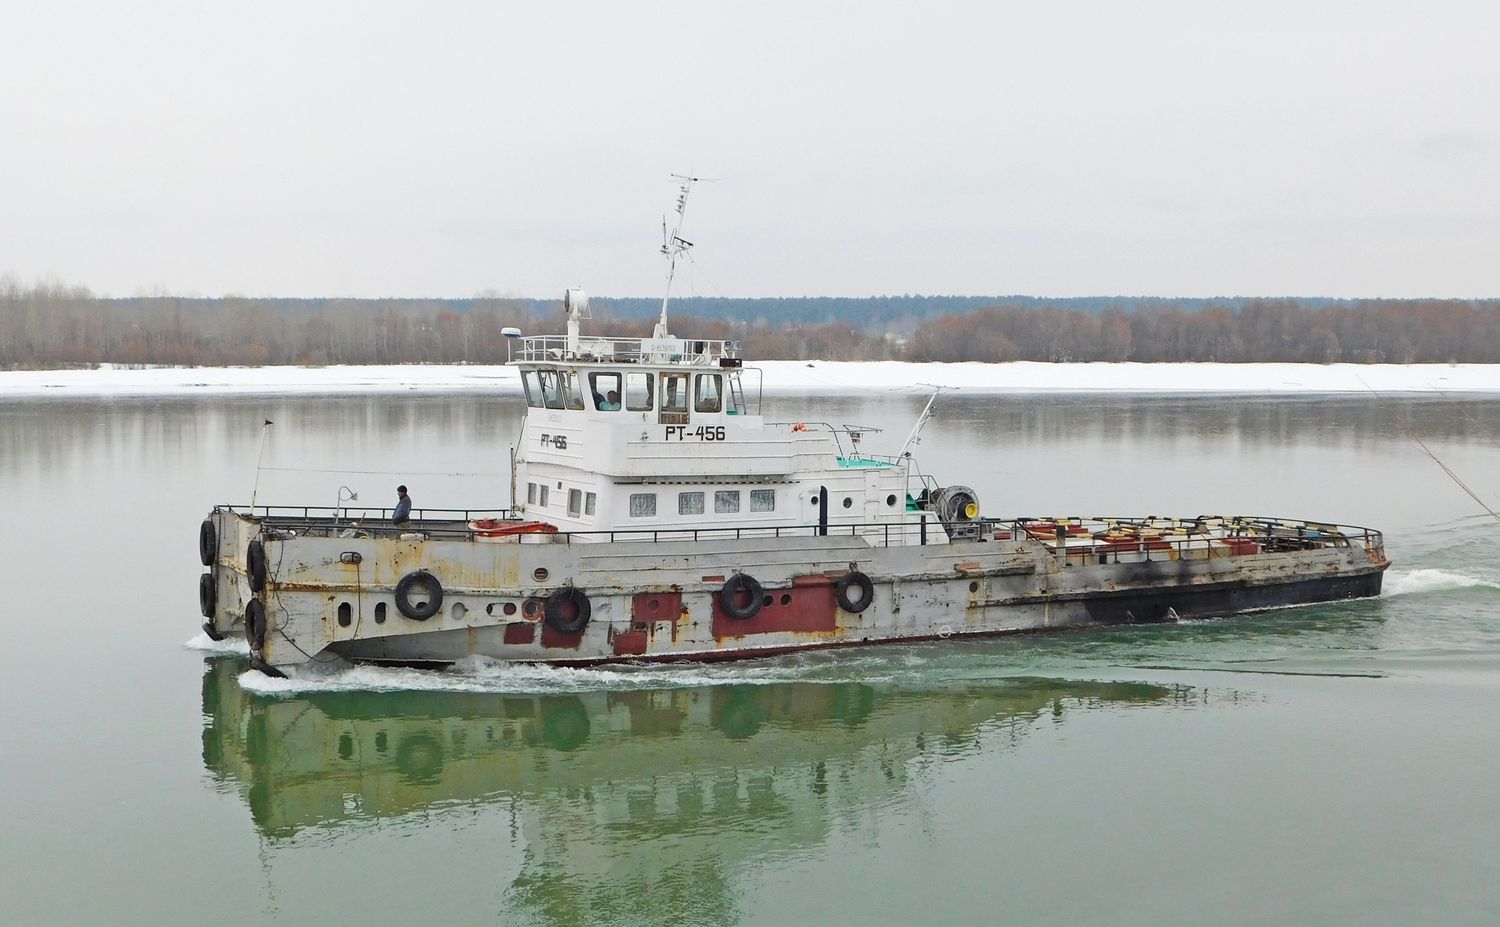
(387, 472)
(280, 625)
(1468, 416)
(1406, 427)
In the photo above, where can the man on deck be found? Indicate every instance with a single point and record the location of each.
(402, 515)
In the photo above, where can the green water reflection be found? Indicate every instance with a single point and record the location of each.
(621, 801)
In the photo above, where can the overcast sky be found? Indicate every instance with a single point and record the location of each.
(1055, 149)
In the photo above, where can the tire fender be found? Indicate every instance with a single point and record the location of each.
(208, 542)
(255, 565)
(554, 610)
(208, 595)
(735, 586)
(426, 609)
(255, 625)
(854, 579)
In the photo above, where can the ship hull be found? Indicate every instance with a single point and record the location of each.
(671, 598)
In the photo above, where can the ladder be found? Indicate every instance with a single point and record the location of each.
(737, 396)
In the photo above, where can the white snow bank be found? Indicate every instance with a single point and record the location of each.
(789, 376)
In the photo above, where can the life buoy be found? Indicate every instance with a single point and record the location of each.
(567, 610)
(208, 595)
(255, 565)
(208, 542)
(255, 625)
(866, 592)
(741, 584)
(426, 609)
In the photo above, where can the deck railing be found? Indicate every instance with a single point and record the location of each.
(1084, 540)
(1105, 539)
(686, 351)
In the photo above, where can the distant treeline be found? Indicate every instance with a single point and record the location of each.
(51, 325)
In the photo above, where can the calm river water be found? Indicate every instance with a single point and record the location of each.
(1337, 764)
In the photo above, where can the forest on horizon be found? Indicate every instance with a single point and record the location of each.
(50, 325)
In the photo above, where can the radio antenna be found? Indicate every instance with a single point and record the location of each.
(673, 246)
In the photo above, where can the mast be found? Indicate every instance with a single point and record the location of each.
(673, 246)
(576, 302)
(913, 439)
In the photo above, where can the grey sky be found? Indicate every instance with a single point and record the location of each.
(1153, 148)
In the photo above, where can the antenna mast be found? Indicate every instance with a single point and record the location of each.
(673, 246)
(915, 438)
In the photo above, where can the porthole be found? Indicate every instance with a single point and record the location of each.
(653, 605)
(974, 586)
(848, 502)
(540, 574)
(768, 602)
(531, 607)
(345, 614)
(509, 608)
(380, 613)
(813, 500)
(891, 499)
(786, 598)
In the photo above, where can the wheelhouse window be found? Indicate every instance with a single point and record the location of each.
(605, 388)
(589, 501)
(531, 493)
(674, 392)
(572, 392)
(762, 500)
(551, 389)
(690, 503)
(575, 502)
(542, 495)
(710, 395)
(533, 390)
(726, 501)
(638, 392)
(643, 505)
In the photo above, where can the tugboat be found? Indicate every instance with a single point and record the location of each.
(657, 515)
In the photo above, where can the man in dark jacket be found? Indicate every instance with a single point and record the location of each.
(402, 515)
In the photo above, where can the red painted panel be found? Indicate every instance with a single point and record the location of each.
(551, 638)
(520, 633)
(816, 579)
(651, 607)
(810, 608)
(630, 643)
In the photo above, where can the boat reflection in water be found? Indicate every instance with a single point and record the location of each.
(657, 794)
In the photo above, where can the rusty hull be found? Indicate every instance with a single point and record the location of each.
(660, 600)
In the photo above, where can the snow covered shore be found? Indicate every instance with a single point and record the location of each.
(789, 377)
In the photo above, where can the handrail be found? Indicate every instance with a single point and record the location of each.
(603, 349)
(1167, 538)
(1176, 535)
(346, 513)
(853, 432)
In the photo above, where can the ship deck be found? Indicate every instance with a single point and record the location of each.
(1098, 539)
